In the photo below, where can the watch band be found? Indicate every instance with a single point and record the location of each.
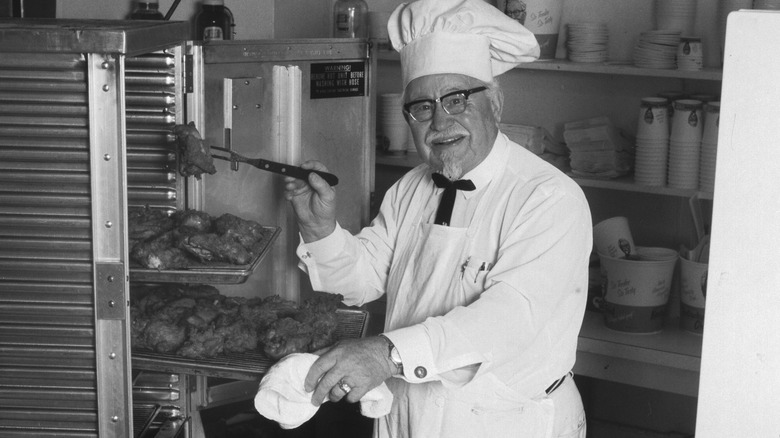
(394, 356)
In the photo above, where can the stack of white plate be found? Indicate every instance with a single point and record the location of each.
(392, 127)
(587, 42)
(676, 15)
(652, 142)
(766, 4)
(685, 144)
(709, 146)
(657, 49)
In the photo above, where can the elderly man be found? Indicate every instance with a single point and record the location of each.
(482, 251)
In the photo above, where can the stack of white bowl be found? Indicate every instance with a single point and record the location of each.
(657, 49)
(766, 4)
(676, 15)
(392, 127)
(587, 42)
(652, 142)
(709, 146)
(685, 144)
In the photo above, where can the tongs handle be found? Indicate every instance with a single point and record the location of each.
(293, 171)
(280, 168)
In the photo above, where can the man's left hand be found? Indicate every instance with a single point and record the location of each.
(361, 364)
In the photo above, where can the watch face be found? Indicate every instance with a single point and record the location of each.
(394, 355)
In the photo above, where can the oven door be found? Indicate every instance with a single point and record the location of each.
(64, 169)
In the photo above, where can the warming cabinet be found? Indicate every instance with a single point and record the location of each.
(87, 110)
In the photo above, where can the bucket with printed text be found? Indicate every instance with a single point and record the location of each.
(542, 18)
(693, 294)
(635, 291)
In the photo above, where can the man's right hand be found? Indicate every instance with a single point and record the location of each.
(314, 203)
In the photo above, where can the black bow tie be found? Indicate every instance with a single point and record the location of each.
(444, 212)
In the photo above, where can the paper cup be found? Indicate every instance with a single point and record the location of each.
(612, 237)
(693, 294)
(635, 293)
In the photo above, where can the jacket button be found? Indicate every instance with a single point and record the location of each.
(420, 372)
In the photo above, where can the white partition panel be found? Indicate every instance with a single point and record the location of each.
(739, 393)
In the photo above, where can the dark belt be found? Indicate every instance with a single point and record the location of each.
(555, 384)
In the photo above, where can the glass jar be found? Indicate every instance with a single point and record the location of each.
(214, 21)
(147, 10)
(350, 19)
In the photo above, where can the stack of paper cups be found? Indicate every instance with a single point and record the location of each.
(690, 55)
(676, 15)
(652, 142)
(685, 144)
(709, 146)
(393, 130)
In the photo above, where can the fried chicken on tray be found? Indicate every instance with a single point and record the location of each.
(196, 321)
(192, 238)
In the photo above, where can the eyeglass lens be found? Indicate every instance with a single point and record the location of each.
(452, 103)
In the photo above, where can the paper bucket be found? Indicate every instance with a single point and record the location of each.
(542, 18)
(693, 293)
(635, 292)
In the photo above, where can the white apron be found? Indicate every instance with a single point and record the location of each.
(426, 280)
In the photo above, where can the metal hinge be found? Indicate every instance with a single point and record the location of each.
(110, 290)
(188, 81)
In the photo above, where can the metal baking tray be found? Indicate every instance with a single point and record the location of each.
(239, 366)
(211, 273)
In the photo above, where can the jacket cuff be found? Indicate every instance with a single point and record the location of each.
(413, 346)
(323, 250)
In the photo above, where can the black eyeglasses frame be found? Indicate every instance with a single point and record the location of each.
(433, 102)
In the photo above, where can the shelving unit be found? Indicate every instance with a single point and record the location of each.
(610, 68)
(626, 183)
(668, 361)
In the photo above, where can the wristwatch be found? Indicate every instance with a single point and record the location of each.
(394, 356)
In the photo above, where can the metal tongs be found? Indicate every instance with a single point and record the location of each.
(272, 166)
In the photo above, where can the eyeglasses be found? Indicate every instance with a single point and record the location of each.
(452, 103)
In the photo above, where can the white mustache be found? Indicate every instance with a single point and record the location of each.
(439, 137)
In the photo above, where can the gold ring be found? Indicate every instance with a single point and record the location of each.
(344, 387)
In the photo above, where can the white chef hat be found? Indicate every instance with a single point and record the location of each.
(469, 37)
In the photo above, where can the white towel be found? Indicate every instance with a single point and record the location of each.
(281, 396)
